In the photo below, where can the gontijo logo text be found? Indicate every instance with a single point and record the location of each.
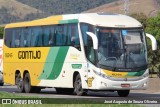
(29, 54)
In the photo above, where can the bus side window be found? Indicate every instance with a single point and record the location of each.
(55, 36)
(46, 36)
(13, 39)
(17, 38)
(8, 37)
(74, 37)
(88, 43)
(59, 40)
(40, 33)
(22, 38)
(28, 34)
(69, 35)
(34, 35)
(64, 35)
(51, 37)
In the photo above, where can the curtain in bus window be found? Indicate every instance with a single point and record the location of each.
(59, 41)
(28, 33)
(8, 37)
(64, 35)
(69, 36)
(22, 39)
(46, 36)
(13, 38)
(34, 35)
(17, 37)
(76, 35)
(51, 36)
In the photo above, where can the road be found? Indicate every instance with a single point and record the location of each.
(51, 93)
(137, 95)
(152, 93)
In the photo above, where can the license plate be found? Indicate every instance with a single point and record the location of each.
(125, 85)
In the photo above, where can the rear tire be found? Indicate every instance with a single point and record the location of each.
(79, 91)
(19, 83)
(27, 84)
(123, 93)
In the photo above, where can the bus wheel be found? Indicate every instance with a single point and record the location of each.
(123, 93)
(19, 83)
(27, 83)
(78, 86)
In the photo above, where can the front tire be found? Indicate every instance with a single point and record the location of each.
(123, 93)
(79, 91)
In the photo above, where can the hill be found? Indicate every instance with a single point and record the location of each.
(64, 6)
(148, 7)
(11, 10)
(24, 10)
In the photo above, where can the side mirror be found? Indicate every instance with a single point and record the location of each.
(95, 40)
(153, 40)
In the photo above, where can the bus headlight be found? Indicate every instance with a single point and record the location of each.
(101, 74)
(145, 75)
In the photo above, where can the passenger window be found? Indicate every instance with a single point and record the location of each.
(8, 37)
(46, 36)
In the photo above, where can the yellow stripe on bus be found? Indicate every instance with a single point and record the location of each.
(46, 21)
(115, 74)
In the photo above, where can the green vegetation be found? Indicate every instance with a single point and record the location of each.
(1, 32)
(152, 26)
(59, 102)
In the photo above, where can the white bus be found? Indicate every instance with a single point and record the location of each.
(1, 63)
(77, 53)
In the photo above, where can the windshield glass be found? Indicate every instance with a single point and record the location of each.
(121, 48)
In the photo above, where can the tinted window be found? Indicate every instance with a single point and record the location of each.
(57, 35)
(8, 39)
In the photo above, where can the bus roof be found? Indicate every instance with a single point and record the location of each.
(98, 19)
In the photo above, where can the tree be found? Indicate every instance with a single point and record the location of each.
(1, 32)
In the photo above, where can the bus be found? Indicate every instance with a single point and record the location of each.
(75, 53)
(1, 62)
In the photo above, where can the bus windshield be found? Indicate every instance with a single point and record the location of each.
(121, 48)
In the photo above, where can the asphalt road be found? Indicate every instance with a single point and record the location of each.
(153, 93)
(51, 93)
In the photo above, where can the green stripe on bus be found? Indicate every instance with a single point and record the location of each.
(57, 67)
(54, 63)
(140, 73)
(68, 21)
(53, 52)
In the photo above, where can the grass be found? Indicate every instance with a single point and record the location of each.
(73, 105)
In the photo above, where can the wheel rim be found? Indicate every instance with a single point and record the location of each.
(27, 85)
(19, 83)
(78, 87)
